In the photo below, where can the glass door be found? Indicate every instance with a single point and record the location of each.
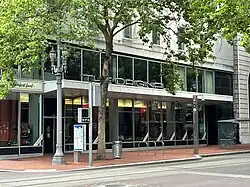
(49, 135)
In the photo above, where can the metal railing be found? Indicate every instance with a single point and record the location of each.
(139, 147)
(155, 145)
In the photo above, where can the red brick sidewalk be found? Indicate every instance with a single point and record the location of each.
(44, 162)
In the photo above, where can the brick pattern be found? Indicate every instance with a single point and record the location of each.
(44, 162)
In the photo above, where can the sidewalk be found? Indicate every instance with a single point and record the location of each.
(44, 162)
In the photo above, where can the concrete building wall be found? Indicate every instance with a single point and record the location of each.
(240, 90)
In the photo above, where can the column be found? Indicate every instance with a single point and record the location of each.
(113, 119)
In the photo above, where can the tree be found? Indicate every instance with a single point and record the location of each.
(82, 20)
(230, 18)
(25, 27)
(113, 16)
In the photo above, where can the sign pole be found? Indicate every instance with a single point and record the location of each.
(90, 124)
(196, 124)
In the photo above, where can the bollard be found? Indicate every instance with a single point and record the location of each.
(76, 156)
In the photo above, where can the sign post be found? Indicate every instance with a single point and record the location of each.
(79, 140)
(90, 123)
(85, 117)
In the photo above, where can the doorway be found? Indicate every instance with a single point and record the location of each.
(49, 135)
(212, 128)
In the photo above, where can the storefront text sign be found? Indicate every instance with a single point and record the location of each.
(128, 82)
(28, 86)
(79, 137)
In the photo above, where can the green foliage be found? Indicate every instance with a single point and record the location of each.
(229, 18)
(170, 72)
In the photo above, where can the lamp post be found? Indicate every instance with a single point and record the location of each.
(196, 123)
(58, 68)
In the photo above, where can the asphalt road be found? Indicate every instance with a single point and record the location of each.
(228, 171)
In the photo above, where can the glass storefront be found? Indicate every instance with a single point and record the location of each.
(134, 121)
(21, 124)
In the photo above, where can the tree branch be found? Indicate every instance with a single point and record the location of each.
(105, 15)
(115, 23)
(125, 26)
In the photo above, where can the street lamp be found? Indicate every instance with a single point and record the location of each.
(196, 122)
(58, 69)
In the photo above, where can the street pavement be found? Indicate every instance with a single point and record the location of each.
(228, 171)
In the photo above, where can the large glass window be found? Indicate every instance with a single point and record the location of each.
(8, 122)
(140, 116)
(209, 82)
(191, 80)
(125, 120)
(182, 77)
(112, 65)
(91, 63)
(125, 67)
(29, 119)
(154, 120)
(140, 69)
(154, 71)
(168, 121)
(223, 83)
(201, 81)
(74, 64)
(180, 118)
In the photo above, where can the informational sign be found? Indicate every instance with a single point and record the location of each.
(83, 115)
(79, 137)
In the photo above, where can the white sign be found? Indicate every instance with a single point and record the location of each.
(28, 85)
(79, 137)
(83, 115)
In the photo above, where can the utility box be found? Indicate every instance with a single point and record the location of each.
(228, 133)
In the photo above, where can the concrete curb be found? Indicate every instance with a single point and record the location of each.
(195, 158)
(224, 154)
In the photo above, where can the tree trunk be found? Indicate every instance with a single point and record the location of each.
(101, 150)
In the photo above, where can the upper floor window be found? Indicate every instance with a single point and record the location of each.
(155, 37)
(181, 44)
(127, 32)
(223, 83)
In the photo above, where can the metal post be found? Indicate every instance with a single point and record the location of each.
(19, 125)
(59, 156)
(90, 124)
(196, 124)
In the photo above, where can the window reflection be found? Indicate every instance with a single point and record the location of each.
(74, 64)
(154, 71)
(154, 120)
(125, 120)
(112, 65)
(223, 83)
(141, 125)
(209, 82)
(191, 80)
(91, 63)
(182, 77)
(140, 69)
(125, 67)
(201, 81)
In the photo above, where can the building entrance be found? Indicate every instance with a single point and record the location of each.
(49, 134)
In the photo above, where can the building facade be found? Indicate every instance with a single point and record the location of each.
(139, 109)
